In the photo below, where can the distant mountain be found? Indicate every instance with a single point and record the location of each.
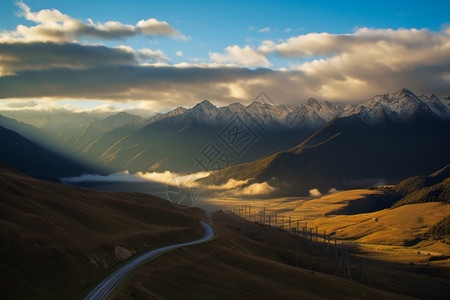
(385, 139)
(312, 114)
(90, 132)
(402, 106)
(174, 140)
(23, 129)
(36, 160)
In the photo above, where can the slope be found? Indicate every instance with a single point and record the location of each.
(349, 153)
(36, 160)
(58, 241)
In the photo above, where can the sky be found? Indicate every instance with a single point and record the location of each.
(155, 56)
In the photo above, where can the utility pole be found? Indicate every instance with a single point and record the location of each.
(296, 248)
(264, 215)
(317, 235)
(308, 266)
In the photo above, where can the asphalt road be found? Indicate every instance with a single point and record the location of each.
(107, 286)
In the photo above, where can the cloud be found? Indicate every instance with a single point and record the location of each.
(133, 82)
(179, 53)
(257, 189)
(333, 191)
(239, 190)
(54, 26)
(43, 56)
(230, 184)
(265, 29)
(148, 55)
(246, 56)
(35, 56)
(370, 61)
(163, 177)
(334, 67)
(315, 193)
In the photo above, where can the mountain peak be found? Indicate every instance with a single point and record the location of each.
(206, 104)
(178, 110)
(121, 116)
(405, 91)
(312, 102)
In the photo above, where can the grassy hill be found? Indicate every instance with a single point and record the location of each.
(58, 241)
(255, 264)
(421, 189)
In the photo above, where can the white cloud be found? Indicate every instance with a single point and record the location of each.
(166, 177)
(369, 61)
(246, 56)
(230, 184)
(257, 189)
(54, 26)
(179, 53)
(315, 193)
(265, 29)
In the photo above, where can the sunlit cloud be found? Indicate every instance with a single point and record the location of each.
(230, 184)
(54, 26)
(166, 177)
(315, 193)
(257, 189)
(47, 61)
(246, 56)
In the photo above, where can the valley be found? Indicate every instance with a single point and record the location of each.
(321, 196)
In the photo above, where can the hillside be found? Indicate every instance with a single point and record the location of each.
(58, 241)
(416, 183)
(36, 160)
(348, 153)
(420, 189)
(239, 265)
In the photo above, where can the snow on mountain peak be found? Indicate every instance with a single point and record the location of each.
(400, 106)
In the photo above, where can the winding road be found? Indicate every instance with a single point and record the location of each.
(107, 286)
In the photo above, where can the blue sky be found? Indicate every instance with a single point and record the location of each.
(229, 34)
(213, 25)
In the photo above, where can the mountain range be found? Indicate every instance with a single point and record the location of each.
(383, 140)
(318, 144)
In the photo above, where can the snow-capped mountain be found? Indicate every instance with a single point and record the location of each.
(436, 105)
(312, 114)
(255, 114)
(401, 106)
(398, 107)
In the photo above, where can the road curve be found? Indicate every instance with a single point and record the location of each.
(107, 286)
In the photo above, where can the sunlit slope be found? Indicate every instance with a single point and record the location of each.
(399, 226)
